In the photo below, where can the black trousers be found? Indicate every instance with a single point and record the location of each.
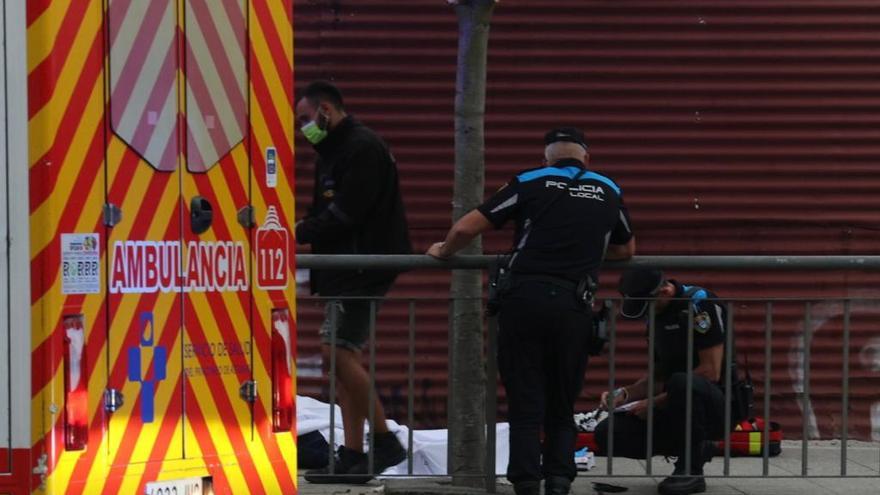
(707, 423)
(542, 354)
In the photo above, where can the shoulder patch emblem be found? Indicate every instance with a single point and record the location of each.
(702, 322)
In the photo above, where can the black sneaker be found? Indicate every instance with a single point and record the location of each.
(557, 485)
(387, 452)
(530, 487)
(680, 483)
(344, 469)
(683, 485)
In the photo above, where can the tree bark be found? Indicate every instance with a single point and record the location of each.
(466, 413)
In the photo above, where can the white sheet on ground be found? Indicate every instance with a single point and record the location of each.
(429, 446)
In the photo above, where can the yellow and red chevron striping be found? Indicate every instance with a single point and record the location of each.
(43, 79)
(76, 163)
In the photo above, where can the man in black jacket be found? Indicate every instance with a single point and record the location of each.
(356, 209)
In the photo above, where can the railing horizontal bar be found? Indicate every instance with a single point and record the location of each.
(479, 262)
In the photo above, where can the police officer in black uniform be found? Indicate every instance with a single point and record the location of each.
(568, 219)
(674, 304)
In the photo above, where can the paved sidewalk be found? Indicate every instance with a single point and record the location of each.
(863, 467)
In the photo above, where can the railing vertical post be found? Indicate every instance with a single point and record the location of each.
(410, 385)
(805, 400)
(450, 389)
(333, 318)
(728, 380)
(768, 359)
(491, 401)
(649, 447)
(372, 391)
(612, 346)
(689, 392)
(844, 426)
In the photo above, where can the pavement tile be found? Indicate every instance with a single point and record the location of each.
(824, 459)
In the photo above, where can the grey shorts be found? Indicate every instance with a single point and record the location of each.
(352, 321)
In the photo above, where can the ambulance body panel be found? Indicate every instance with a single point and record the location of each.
(147, 297)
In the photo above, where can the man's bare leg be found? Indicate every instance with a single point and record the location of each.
(353, 383)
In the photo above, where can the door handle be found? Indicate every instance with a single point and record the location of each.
(201, 214)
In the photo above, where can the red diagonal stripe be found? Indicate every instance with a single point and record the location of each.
(45, 171)
(220, 312)
(276, 46)
(193, 153)
(159, 182)
(117, 374)
(164, 86)
(206, 443)
(43, 79)
(134, 60)
(219, 58)
(263, 421)
(51, 444)
(262, 96)
(237, 17)
(35, 9)
(46, 263)
(96, 431)
(222, 230)
(202, 95)
(119, 10)
(45, 362)
(129, 439)
(224, 406)
(276, 131)
(163, 441)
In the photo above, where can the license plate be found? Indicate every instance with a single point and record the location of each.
(185, 486)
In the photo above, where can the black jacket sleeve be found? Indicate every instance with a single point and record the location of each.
(364, 180)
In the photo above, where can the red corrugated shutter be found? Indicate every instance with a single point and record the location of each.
(734, 127)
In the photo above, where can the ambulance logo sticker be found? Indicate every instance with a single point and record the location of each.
(80, 264)
(272, 253)
(139, 360)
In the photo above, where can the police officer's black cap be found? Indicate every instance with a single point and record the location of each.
(638, 286)
(566, 134)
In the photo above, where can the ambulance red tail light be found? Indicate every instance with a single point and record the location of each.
(282, 372)
(76, 429)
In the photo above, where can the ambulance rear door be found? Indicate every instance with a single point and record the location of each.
(145, 299)
(217, 308)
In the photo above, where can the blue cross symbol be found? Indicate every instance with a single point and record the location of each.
(139, 359)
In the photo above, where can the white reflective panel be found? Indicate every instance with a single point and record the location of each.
(216, 80)
(143, 78)
(5, 357)
(16, 294)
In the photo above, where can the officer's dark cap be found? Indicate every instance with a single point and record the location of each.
(638, 286)
(566, 134)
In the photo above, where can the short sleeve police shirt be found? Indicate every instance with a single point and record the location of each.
(568, 238)
(671, 326)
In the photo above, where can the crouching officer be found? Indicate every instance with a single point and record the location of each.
(568, 219)
(671, 299)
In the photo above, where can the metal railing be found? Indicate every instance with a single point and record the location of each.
(867, 263)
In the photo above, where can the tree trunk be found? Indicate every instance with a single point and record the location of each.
(466, 413)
